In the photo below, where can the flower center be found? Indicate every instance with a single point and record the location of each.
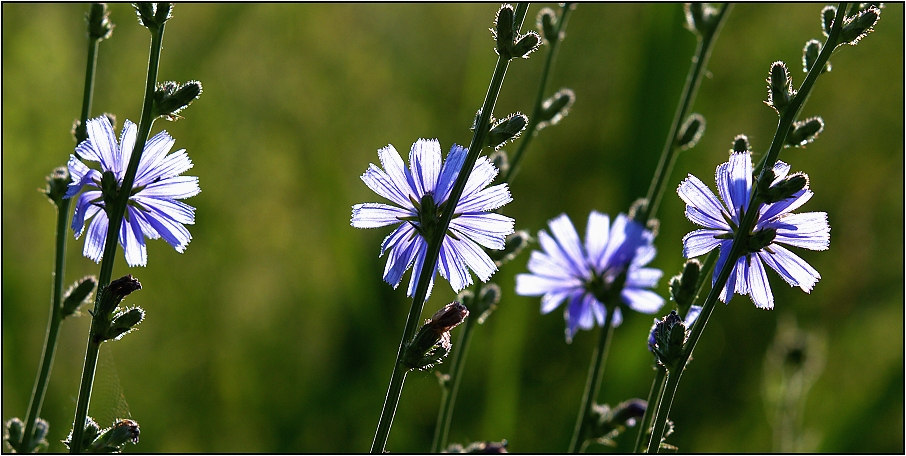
(428, 218)
(606, 287)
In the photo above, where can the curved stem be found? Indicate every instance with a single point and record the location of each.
(530, 132)
(745, 226)
(433, 250)
(445, 415)
(593, 383)
(115, 216)
(654, 397)
(668, 155)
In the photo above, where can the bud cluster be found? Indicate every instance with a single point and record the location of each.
(114, 327)
(605, 424)
(108, 440)
(153, 15)
(171, 97)
(14, 433)
(99, 25)
(510, 44)
(431, 343)
(667, 338)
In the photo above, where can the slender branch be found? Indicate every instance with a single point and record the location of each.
(745, 226)
(430, 264)
(654, 397)
(445, 414)
(693, 80)
(593, 383)
(530, 132)
(115, 216)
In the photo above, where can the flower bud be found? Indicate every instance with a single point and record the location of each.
(667, 338)
(57, 182)
(486, 303)
(112, 295)
(99, 25)
(701, 18)
(859, 26)
(153, 15)
(827, 19)
(13, 429)
(431, 343)
(503, 31)
(684, 286)
(513, 246)
(780, 90)
(810, 56)
(555, 108)
(691, 131)
(527, 43)
(114, 438)
(785, 188)
(77, 294)
(124, 322)
(170, 98)
(740, 144)
(506, 130)
(760, 239)
(500, 161)
(88, 435)
(547, 24)
(804, 132)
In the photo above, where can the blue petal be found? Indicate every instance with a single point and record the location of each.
(643, 277)
(487, 229)
(734, 181)
(452, 267)
(421, 249)
(84, 210)
(482, 174)
(179, 187)
(403, 233)
(536, 285)
(177, 210)
(153, 155)
(708, 211)
(692, 315)
(597, 232)
(542, 264)
(124, 151)
(455, 159)
(131, 239)
(77, 172)
(103, 140)
(767, 212)
(556, 255)
(794, 270)
(477, 260)
(97, 235)
(639, 300)
(374, 215)
(400, 258)
(553, 299)
(700, 242)
(730, 287)
(379, 182)
(617, 317)
(808, 230)
(172, 165)
(396, 170)
(174, 233)
(578, 315)
(568, 241)
(425, 162)
(759, 288)
(485, 200)
(626, 236)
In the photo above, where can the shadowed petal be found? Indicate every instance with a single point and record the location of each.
(84, 210)
(403, 233)
(578, 314)
(639, 300)
(401, 256)
(455, 159)
(794, 270)
(700, 242)
(97, 235)
(421, 249)
(759, 288)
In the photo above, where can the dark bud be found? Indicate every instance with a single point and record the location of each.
(506, 130)
(77, 294)
(170, 98)
(804, 131)
(57, 183)
(113, 294)
(667, 339)
(14, 433)
(547, 25)
(513, 246)
(684, 285)
(504, 32)
(740, 144)
(13, 429)
(114, 438)
(153, 15)
(691, 131)
(555, 108)
(780, 90)
(431, 343)
(786, 188)
(99, 25)
(528, 43)
(628, 412)
(701, 18)
(500, 161)
(827, 19)
(479, 448)
(810, 56)
(90, 434)
(39, 439)
(760, 239)
(124, 322)
(486, 303)
(859, 26)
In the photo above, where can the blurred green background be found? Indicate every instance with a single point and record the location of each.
(274, 332)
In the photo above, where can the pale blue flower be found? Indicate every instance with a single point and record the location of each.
(583, 274)
(721, 219)
(152, 210)
(420, 195)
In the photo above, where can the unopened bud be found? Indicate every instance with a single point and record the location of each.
(500, 161)
(740, 144)
(527, 43)
(431, 343)
(449, 317)
(684, 285)
(667, 338)
(701, 18)
(99, 25)
(170, 98)
(513, 246)
(506, 130)
(113, 294)
(77, 294)
(760, 239)
(804, 131)
(547, 24)
(487, 300)
(555, 108)
(57, 183)
(124, 322)
(810, 55)
(13, 429)
(780, 90)
(691, 131)
(857, 27)
(113, 439)
(153, 15)
(827, 19)
(88, 435)
(786, 188)
(504, 32)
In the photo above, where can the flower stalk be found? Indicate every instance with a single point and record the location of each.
(745, 227)
(451, 386)
(593, 383)
(430, 265)
(115, 215)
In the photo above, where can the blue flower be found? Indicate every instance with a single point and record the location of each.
(152, 210)
(586, 274)
(775, 225)
(421, 193)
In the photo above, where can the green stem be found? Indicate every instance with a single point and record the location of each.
(693, 80)
(654, 397)
(745, 226)
(445, 415)
(115, 216)
(430, 264)
(82, 130)
(593, 383)
(565, 12)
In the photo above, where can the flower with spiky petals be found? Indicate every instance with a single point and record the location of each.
(152, 210)
(421, 193)
(776, 225)
(606, 270)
